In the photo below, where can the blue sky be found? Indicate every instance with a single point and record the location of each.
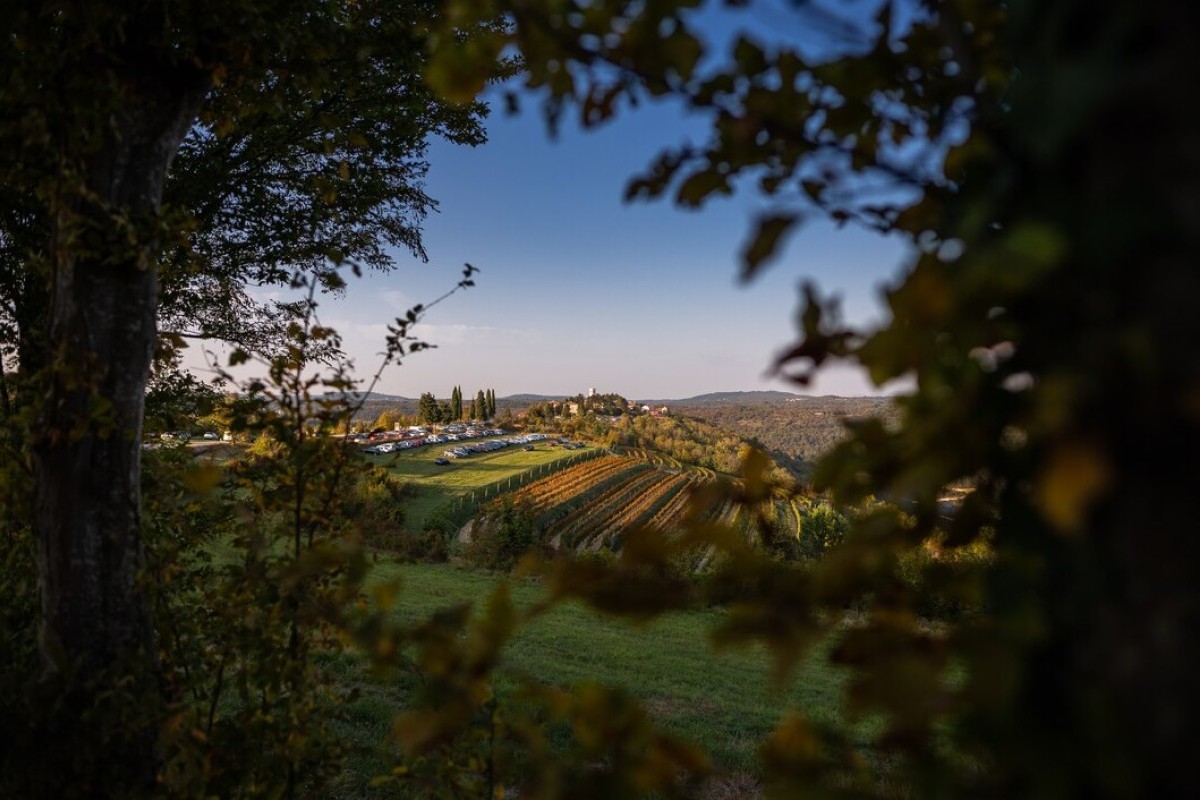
(578, 289)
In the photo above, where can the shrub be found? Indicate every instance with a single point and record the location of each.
(428, 547)
(822, 527)
(377, 506)
(505, 534)
(944, 585)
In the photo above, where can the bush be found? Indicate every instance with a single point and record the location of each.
(821, 528)
(428, 547)
(944, 585)
(377, 507)
(504, 534)
(444, 521)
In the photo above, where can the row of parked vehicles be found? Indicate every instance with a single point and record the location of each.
(462, 451)
(527, 440)
(433, 438)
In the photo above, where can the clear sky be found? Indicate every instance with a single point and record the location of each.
(578, 289)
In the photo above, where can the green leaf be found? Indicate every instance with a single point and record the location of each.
(699, 185)
(769, 233)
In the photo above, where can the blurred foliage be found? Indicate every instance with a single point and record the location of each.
(1040, 157)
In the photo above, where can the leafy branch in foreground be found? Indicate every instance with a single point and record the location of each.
(1044, 319)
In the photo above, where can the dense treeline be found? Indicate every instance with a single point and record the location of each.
(609, 404)
(796, 433)
(431, 411)
(691, 441)
(685, 439)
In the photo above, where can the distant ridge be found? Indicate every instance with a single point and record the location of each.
(529, 398)
(711, 400)
(729, 398)
(371, 397)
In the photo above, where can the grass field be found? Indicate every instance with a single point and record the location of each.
(435, 485)
(722, 701)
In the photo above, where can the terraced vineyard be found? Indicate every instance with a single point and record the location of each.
(564, 485)
(672, 504)
(584, 502)
(577, 528)
(590, 506)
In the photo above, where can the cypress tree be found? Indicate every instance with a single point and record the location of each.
(427, 408)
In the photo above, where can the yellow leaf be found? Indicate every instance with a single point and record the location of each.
(203, 478)
(384, 595)
(793, 740)
(755, 464)
(1073, 477)
(414, 730)
(646, 546)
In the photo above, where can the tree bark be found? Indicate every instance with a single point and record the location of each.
(87, 449)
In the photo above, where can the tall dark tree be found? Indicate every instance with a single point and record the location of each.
(456, 408)
(481, 406)
(277, 177)
(428, 410)
(90, 158)
(157, 158)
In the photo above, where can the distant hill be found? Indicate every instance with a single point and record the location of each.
(390, 398)
(727, 399)
(372, 397)
(796, 429)
(527, 399)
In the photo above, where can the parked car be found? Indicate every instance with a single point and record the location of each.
(441, 461)
(211, 436)
(528, 447)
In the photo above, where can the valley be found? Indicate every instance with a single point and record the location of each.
(631, 471)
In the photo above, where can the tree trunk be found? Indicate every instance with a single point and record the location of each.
(87, 448)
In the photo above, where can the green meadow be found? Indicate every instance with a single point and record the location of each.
(437, 485)
(724, 701)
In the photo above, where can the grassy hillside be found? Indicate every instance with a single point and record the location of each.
(436, 486)
(723, 701)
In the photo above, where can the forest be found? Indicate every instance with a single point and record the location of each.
(795, 433)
